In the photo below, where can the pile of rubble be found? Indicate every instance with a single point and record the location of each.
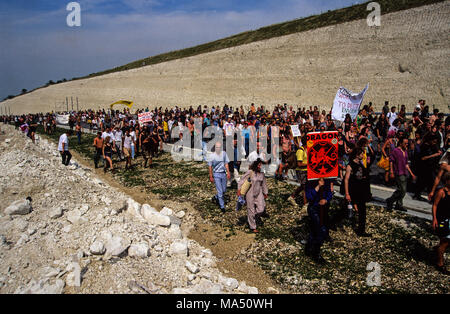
(62, 230)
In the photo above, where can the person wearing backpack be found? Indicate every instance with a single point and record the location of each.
(219, 173)
(254, 186)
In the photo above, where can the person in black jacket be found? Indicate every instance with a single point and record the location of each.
(357, 188)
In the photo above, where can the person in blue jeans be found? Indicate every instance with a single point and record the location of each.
(219, 173)
(319, 195)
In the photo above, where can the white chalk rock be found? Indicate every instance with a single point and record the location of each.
(97, 248)
(166, 211)
(182, 291)
(42, 287)
(175, 232)
(180, 214)
(140, 250)
(156, 219)
(74, 216)
(229, 283)
(117, 246)
(179, 248)
(147, 210)
(134, 207)
(207, 287)
(19, 208)
(192, 268)
(55, 213)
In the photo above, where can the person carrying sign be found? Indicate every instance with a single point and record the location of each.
(319, 195)
(255, 195)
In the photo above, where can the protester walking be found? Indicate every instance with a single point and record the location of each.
(98, 145)
(78, 131)
(399, 169)
(128, 141)
(301, 173)
(256, 195)
(63, 147)
(357, 188)
(108, 149)
(444, 167)
(441, 217)
(319, 195)
(219, 173)
(118, 142)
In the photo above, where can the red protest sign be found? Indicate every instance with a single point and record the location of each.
(322, 155)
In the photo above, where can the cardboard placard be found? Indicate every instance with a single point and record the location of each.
(322, 155)
(295, 130)
(144, 117)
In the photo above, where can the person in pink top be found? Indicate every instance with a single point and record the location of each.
(399, 169)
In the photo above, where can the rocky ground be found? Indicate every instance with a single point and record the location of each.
(81, 235)
(81, 215)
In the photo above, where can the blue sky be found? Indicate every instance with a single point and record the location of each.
(36, 45)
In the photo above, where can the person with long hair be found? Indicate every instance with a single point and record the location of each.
(108, 149)
(256, 195)
(357, 188)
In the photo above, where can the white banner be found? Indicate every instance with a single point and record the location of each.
(295, 130)
(145, 117)
(347, 102)
(62, 119)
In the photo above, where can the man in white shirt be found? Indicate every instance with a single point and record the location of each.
(392, 116)
(118, 138)
(108, 133)
(63, 148)
(228, 128)
(255, 155)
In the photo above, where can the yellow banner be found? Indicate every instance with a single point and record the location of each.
(127, 103)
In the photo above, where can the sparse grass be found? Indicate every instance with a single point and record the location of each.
(131, 177)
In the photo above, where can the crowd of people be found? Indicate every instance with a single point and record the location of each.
(411, 152)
